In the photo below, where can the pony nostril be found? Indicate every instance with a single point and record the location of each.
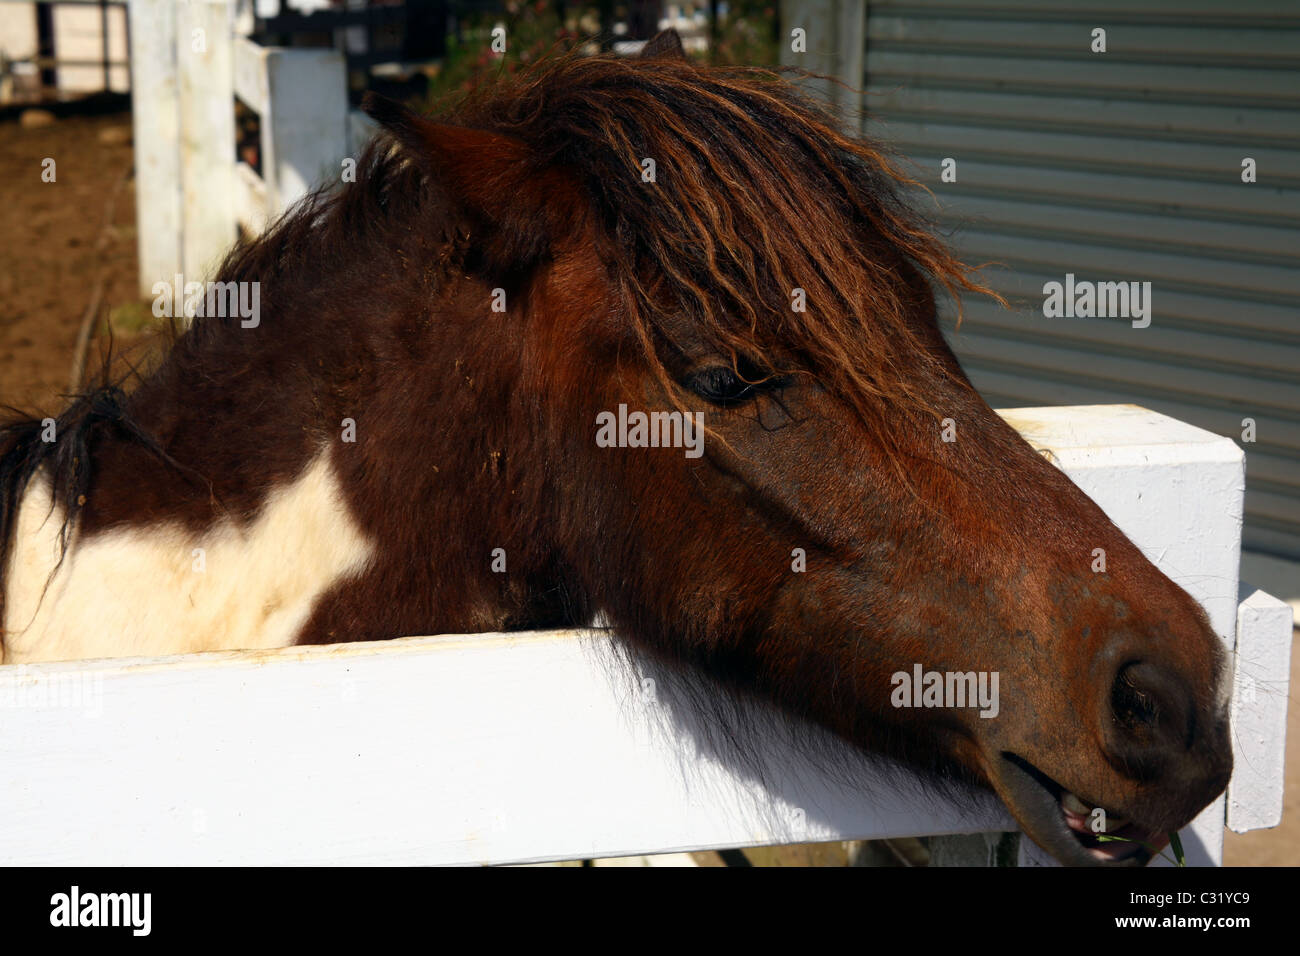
(1132, 704)
(1157, 735)
(1150, 706)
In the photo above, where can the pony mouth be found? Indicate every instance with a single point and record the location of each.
(1066, 825)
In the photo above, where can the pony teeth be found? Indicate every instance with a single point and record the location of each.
(1073, 804)
(1076, 807)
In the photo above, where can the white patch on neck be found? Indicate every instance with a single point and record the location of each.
(136, 591)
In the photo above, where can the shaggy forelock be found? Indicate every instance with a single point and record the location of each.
(757, 193)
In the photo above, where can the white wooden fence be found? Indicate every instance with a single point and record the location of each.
(496, 748)
(189, 60)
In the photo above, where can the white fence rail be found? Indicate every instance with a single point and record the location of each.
(500, 748)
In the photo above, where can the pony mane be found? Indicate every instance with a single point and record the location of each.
(758, 192)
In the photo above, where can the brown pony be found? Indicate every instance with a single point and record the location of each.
(643, 341)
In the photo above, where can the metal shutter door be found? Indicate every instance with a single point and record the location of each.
(1118, 166)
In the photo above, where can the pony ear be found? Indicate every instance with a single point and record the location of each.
(666, 44)
(489, 175)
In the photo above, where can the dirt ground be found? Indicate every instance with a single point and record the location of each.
(57, 240)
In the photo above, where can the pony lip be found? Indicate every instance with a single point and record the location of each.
(1127, 838)
(1050, 816)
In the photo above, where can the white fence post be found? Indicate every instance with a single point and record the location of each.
(207, 132)
(188, 62)
(155, 118)
(1259, 711)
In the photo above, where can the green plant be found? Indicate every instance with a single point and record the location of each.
(746, 35)
(1175, 844)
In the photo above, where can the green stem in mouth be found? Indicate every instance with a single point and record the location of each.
(1175, 844)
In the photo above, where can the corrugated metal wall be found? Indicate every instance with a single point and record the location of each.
(1124, 165)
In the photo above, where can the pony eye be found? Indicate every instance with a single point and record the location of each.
(727, 386)
(721, 386)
